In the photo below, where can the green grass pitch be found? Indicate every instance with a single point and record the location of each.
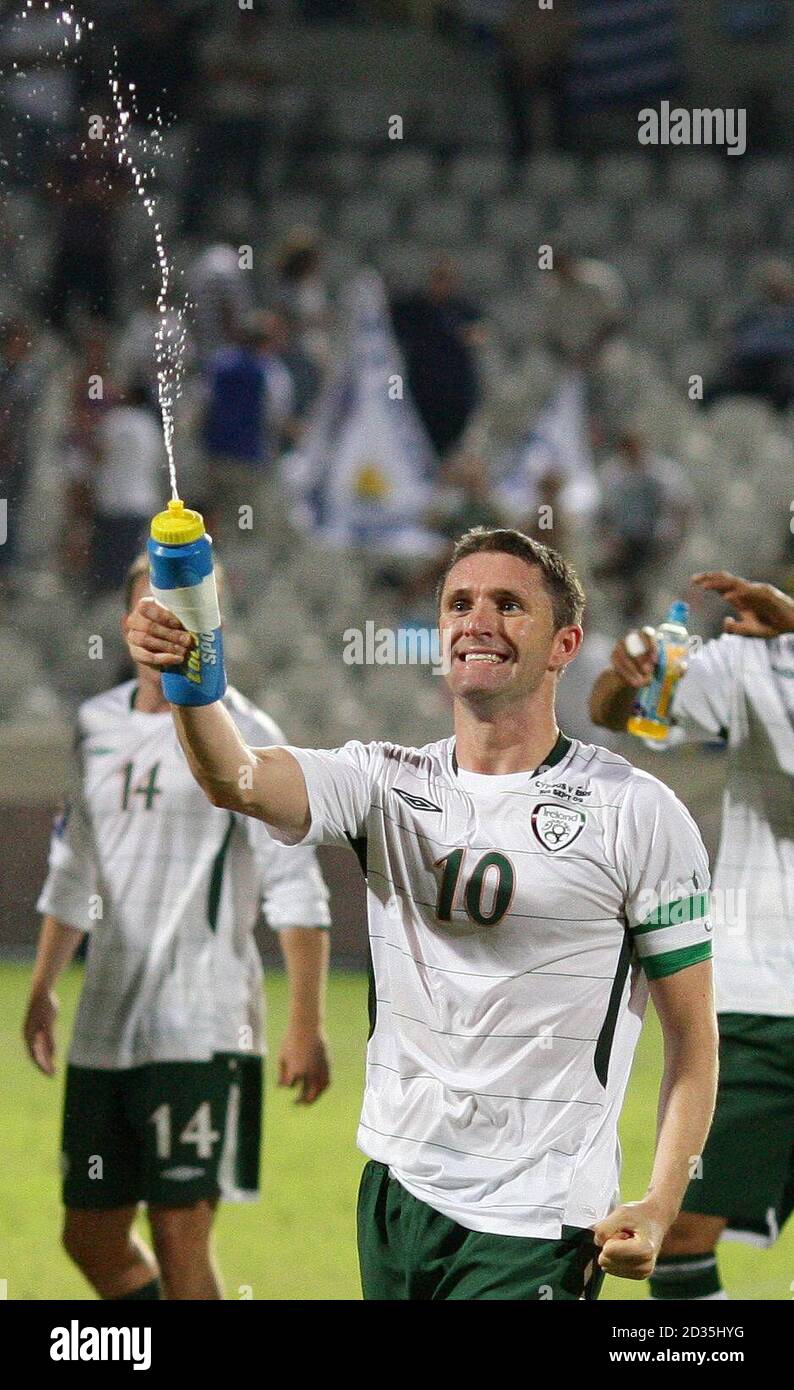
(298, 1242)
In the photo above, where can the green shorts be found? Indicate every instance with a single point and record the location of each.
(168, 1132)
(748, 1161)
(410, 1252)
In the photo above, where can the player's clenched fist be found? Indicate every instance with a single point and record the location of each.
(154, 636)
(634, 657)
(630, 1239)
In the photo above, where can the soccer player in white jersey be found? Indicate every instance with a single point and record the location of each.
(525, 891)
(740, 688)
(163, 1088)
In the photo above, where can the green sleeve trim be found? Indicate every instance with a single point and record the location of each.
(670, 962)
(675, 913)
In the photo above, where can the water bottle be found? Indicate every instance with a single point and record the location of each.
(651, 717)
(183, 580)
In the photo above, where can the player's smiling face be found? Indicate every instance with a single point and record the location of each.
(496, 622)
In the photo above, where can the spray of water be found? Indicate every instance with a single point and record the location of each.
(171, 329)
(170, 337)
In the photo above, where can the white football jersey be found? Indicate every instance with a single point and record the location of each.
(169, 888)
(513, 921)
(742, 689)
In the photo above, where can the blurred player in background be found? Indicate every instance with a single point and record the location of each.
(518, 885)
(164, 1082)
(741, 691)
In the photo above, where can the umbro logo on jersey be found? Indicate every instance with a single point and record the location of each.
(419, 803)
(556, 826)
(183, 1173)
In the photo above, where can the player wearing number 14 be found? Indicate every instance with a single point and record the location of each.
(163, 1087)
(525, 893)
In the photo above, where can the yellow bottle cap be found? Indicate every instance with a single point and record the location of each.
(178, 525)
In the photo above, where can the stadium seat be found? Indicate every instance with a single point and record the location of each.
(365, 217)
(485, 269)
(640, 269)
(442, 221)
(403, 264)
(588, 226)
(766, 181)
(696, 177)
(405, 173)
(514, 221)
(663, 319)
(625, 178)
(700, 273)
(295, 210)
(341, 170)
(660, 225)
(477, 175)
(553, 176)
(360, 115)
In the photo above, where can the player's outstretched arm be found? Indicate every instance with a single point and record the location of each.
(57, 945)
(631, 667)
(263, 782)
(763, 610)
(631, 1236)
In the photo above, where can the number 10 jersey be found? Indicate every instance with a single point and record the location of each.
(514, 922)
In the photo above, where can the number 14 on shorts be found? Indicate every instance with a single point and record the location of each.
(198, 1131)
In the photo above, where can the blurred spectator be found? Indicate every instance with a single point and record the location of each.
(294, 378)
(126, 480)
(135, 356)
(221, 293)
(644, 515)
(249, 404)
(760, 359)
(88, 186)
(439, 331)
(584, 307)
(301, 291)
(38, 88)
(232, 92)
(533, 57)
(21, 373)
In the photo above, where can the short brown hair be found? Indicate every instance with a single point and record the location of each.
(560, 579)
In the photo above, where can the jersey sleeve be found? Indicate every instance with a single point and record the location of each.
(702, 698)
(339, 786)
(73, 875)
(294, 893)
(665, 871)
